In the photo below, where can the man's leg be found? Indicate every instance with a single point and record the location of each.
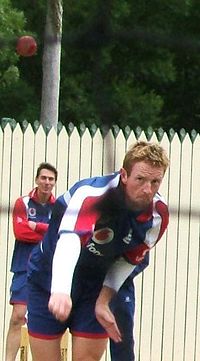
(89, 339)
(14, 332)
(88, 349)
(45, 331)
(123, 307)
(45, 350)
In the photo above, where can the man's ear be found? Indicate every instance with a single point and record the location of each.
(123, 175)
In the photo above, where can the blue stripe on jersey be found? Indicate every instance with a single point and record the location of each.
(97, 182)
(86, 189)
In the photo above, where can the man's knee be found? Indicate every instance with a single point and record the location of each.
(18, 315)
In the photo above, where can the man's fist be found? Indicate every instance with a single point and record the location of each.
(60, 305)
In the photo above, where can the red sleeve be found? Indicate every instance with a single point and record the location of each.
(162, 209)
(41, 228)
(137, 254)
(21, 229)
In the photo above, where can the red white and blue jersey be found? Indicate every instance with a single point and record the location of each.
(106, 233)
(28, 208)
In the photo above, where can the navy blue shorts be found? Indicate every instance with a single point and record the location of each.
(82, 321)
(18, 288)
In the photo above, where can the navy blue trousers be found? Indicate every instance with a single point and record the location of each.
(123, 307)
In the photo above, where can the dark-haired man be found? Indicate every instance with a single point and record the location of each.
(31, 215)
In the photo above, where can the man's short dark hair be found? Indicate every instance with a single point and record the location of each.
(48, 166)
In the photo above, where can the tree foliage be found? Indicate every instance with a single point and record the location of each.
(17, 93)
(123, 62)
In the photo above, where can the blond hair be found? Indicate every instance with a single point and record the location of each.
(148, 152)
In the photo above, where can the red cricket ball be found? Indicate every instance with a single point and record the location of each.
(26, 46)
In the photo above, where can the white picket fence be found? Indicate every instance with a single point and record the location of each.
(167, 321)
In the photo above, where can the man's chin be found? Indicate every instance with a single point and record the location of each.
(140, 206)
(46, 191)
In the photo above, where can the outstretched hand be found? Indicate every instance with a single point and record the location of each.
(107, 321)
(60, 305)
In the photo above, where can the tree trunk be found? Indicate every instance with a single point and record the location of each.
(51, 64)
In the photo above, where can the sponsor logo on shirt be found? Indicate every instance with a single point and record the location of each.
(91, 247)
(32, 212)
(103, 235)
